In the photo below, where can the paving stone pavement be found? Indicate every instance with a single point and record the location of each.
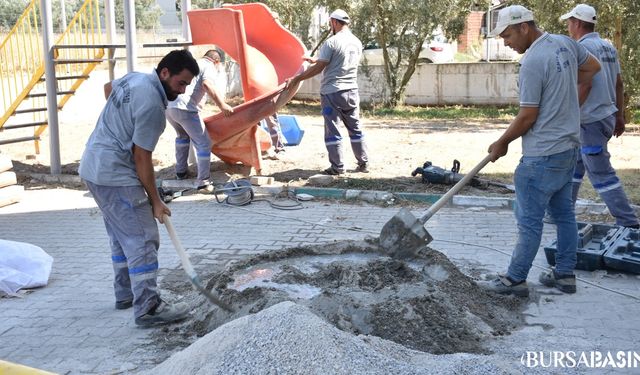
(71, 327)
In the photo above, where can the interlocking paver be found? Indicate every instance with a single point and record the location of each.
(70, 326)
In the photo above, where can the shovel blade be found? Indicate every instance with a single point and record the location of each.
(403, 235)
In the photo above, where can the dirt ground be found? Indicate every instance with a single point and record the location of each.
(422, 302)
(396, 148)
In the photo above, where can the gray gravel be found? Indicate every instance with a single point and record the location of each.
(289, 339)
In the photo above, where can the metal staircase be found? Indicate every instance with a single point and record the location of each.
(77, 51)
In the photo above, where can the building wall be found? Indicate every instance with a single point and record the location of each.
(438, 84)
(471, 34)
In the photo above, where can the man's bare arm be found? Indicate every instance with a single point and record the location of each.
(226, 109)
(315, 69)
(107, 90)
(587, 70)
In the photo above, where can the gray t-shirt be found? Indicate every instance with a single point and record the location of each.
(133, 114)
(601, 102)
(548, 81)
(194, 95)
(343, 51)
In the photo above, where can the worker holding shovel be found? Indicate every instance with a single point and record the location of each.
(117, 168)
(549, 123)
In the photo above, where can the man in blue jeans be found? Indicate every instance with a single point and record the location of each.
(549, 123)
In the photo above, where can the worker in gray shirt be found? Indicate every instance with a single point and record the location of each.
(117, 168)
(549, 124)
(601, 116)
(338, 61)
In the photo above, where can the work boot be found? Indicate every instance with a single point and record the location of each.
(504, 285)
(163, 314)
(123, 305)
(362, 168)
(182, 175)
(564, 283)
(332, 172)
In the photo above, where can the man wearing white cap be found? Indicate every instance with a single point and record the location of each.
(338, 59)
(601, 116)
(549, 123)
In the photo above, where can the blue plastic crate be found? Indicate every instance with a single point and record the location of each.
(624, 254)
(593, 242)
(291, 130)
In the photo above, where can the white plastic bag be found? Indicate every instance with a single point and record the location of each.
(22, 265)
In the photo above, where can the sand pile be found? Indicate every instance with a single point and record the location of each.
(289, 339)
(351, 310)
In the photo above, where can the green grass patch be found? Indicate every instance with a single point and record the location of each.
(456, 112)
(635, 116)
(630, 181)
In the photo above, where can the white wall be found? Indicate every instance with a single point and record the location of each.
(480, 83)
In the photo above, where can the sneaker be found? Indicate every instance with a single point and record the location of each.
(163, 314)
(362, 168)
(564, 283)
(123, 305)
(504, 285)
(332, 172)
(182, 175)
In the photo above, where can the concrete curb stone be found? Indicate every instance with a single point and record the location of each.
(377, 196)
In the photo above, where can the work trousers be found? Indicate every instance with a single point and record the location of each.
(134, 240)
(594, 159)
(343, 106)
(190, 128)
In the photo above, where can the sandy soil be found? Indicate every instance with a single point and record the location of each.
(396, 148)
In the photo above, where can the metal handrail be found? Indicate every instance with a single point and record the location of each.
(22, 62)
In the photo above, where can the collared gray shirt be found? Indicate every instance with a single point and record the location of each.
(601, 102)
(133, 114)
(343, 51)
(548, 81)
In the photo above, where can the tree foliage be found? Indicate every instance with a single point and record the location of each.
(148, 14)
(400, 27)
(617, 21)
(10, 10)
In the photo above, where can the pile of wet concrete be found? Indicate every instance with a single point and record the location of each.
(338, 308)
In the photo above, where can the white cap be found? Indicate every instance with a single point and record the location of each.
(340, 15)
(583, 12)
(511, 15)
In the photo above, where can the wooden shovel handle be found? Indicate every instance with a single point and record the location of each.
(456, 188)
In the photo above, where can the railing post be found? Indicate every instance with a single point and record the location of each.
(110, 20)
(50, 80)
(130, 34)
(186, 31)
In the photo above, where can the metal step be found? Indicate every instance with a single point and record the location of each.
(60, 78)
(16, 140)
(43, 94)
(77, 61)
(25, 125)
(167, 44)
(31, 110)
(88, 46)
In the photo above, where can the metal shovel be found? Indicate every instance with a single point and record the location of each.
(188, 268)
(404, 234)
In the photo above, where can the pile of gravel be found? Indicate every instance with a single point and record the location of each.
(288, 338)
